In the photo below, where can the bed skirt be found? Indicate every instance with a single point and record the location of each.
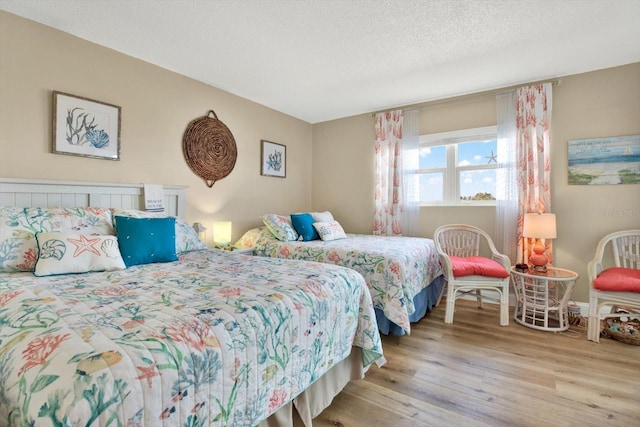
(311, 402)
(423, 302)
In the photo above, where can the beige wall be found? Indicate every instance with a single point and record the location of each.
(590, 105)
(346, 145)
(329, 165)
(157, 105)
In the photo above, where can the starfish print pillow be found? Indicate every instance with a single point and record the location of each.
(65, 253)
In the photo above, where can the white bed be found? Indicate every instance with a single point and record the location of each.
(97, 347)
(403, 273)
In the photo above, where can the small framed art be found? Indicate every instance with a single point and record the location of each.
(274, 159)
(85, 127)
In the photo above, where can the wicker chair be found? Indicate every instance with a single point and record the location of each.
(464, 241)
(625, 247)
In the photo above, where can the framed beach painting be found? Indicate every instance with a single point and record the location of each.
(85, 127)
(274, 159)
(610, 160)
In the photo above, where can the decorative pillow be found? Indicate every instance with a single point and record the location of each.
(146, 240)
(322, 216)
(64, 253)
(135, 213)
(618, 279)
(249, 238)
(187, 238)
(303, 224)
(88, 220)
(18, 226)
(331, 230)
(280, 226)
(477, 265)
(18, 249)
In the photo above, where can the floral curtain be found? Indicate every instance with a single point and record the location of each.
(388, 174)
(533, 124)
(524, 167)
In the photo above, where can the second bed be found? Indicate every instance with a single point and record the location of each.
(403, 273)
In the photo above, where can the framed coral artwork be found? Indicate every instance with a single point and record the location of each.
(85, 127)
(274, 159)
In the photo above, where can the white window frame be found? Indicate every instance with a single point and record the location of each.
(451, 185)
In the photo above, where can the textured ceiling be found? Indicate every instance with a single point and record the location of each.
(322, 60)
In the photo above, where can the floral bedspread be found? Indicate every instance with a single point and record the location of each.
(212, 339)
(396, 268)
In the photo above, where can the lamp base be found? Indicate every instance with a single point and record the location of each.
(539, 268)
(538, 262)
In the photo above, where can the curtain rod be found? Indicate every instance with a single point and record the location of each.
(492, 92)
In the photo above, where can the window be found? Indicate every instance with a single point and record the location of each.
(458, 168)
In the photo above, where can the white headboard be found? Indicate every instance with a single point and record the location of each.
(45, 193)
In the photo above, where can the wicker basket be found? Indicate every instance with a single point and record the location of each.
(628, 332)
(209, 148)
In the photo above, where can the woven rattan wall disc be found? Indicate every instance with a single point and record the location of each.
(209, 148)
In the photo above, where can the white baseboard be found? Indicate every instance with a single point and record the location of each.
(584, 307)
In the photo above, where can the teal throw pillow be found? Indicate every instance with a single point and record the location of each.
(146, 240)
(303, 223)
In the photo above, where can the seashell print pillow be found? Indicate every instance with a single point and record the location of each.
(18, 226)
(331, 230)
(280, 226)
(64, 253)
(87, 220)
(250, 237)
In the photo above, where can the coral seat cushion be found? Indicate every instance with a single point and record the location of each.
(477, 265)
(618, 279)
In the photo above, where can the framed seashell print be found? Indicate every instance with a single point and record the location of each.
(273, 159)
(85, 127)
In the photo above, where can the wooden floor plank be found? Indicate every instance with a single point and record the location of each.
(477, 373)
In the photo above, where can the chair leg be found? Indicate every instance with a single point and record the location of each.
(504, 308)
(593, 327)
(450, 307)
(479, 298)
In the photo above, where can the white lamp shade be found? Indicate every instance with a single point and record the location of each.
(539, 225)
(222, 232)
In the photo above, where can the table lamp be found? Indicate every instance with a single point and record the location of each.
(200, 229)
(539, 226)
(222, 234)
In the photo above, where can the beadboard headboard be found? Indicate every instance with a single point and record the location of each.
(27, 193)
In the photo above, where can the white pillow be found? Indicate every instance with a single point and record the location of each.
(64, 253)
(331, 230)
(322, 216)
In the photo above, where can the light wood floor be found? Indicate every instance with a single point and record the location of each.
(476, 373)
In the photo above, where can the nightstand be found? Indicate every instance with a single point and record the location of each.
(542, 297)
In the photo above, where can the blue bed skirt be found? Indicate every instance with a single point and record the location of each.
(423, 302)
